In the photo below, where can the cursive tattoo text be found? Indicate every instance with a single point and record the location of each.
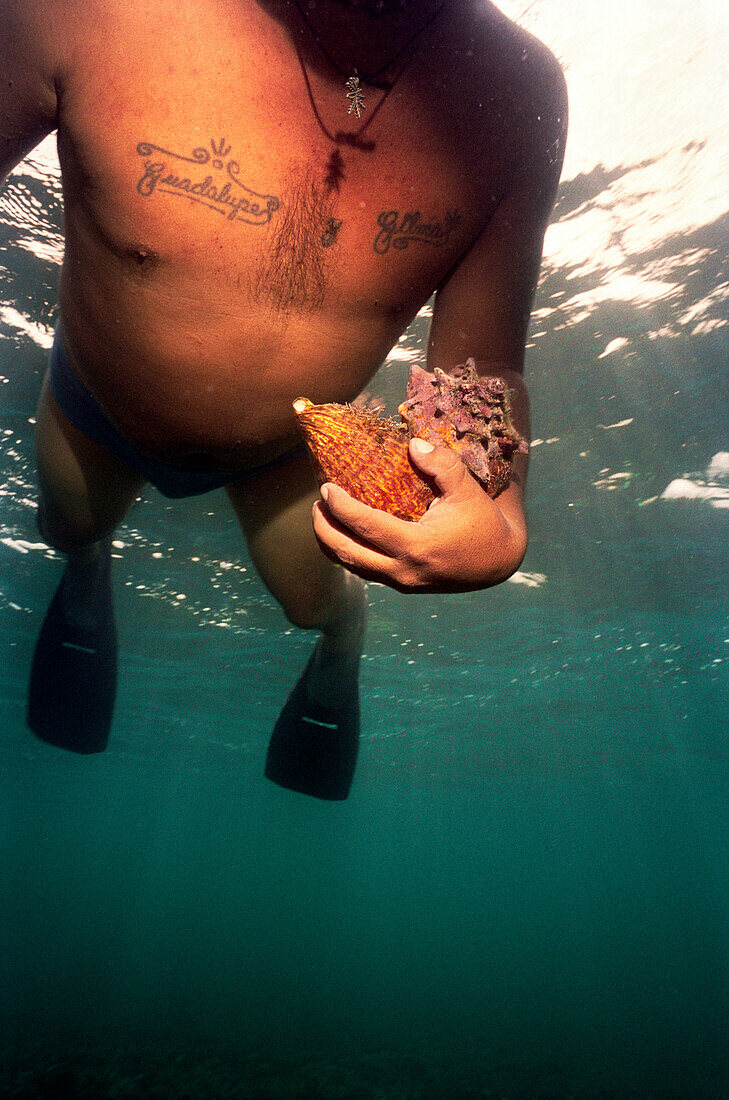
(215, 184)
(399, 231)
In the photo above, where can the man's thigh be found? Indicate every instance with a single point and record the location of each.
(274, 510)
(84, 490)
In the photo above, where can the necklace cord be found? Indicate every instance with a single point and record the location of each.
(343, 137)
(370, 78)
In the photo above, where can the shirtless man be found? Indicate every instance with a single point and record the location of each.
(259, 197)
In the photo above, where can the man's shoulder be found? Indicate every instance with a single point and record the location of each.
(39, 28)
(524, 83)
(516, 66)
(56, 27)
(544, 78)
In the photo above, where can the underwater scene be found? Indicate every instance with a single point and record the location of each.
(526, 894)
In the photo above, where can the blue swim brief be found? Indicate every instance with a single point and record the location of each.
(86, 414)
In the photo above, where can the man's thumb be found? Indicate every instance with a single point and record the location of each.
(441, 464)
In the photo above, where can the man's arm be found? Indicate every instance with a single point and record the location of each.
(29, 40)
(467, 540)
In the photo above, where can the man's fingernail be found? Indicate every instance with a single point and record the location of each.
(324, 492)
(421, 446)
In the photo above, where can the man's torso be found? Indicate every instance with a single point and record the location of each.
(223, 254)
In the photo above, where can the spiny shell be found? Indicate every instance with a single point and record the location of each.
(365, 454)
(469, 414)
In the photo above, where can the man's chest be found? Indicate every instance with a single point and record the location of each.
(240, 167)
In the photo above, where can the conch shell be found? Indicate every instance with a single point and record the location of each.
(368, 454)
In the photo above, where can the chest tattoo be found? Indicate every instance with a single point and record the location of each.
(334, 175)
(400, 230)
(331, 228)
(213, 181)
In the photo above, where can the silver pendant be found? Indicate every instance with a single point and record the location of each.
(355, 94)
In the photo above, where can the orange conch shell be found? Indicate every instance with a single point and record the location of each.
(366, 454)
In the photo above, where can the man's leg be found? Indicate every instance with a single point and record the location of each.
(84, 493)
(314, 745)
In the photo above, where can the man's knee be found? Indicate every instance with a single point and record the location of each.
(307, 610)
(66, 533)
(331, 606)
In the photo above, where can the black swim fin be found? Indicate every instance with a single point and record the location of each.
(73, 677)
(313, 748)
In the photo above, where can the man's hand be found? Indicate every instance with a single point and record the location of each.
(465, 541)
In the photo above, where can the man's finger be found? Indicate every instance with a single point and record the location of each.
(377, 528)
(442, 465)
(360, 558)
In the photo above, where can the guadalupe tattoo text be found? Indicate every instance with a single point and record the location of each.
(399, 231)
(215, 185)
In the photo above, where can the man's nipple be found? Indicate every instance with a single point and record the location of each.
(143, 259)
